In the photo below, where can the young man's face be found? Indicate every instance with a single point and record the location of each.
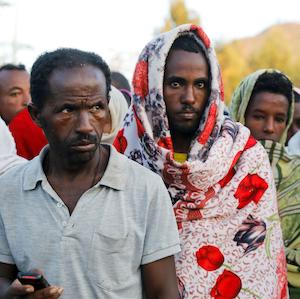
(14, 93)
(74, 114)
(266, 115)
(185, 90)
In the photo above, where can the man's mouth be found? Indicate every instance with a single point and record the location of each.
(187, 115)
(83, 146)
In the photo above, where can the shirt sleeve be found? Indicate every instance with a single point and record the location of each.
(162, 237)
(5, 254)
(8, 156)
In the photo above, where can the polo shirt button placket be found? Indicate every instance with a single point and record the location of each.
(59, 204)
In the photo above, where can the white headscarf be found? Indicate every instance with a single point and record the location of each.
(117, 109)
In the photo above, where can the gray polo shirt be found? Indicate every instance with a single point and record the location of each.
(124, 221)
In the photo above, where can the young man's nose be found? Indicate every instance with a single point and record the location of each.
(188, 96)
(269, 126)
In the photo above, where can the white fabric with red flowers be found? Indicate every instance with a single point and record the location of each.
(223, 195)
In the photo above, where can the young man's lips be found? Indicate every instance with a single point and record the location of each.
(187, 115)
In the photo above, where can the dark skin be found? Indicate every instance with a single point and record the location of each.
(73, 119)
(266, 115)
(185, 93)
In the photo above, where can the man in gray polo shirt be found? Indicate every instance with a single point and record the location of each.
(95, 223)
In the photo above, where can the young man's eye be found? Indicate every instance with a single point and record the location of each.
(174, 84)
(201, 85)
(258, 117)
(280, 120)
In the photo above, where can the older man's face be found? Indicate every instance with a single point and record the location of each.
(14, 93)
(74, 114)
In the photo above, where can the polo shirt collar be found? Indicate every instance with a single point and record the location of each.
(34, 172)
(115, 175)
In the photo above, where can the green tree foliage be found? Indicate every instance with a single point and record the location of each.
(274, 48)
(233, 67)
(179, 14)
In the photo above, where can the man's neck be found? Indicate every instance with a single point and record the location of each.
(55, 165)
(71, 182)
(181, 142)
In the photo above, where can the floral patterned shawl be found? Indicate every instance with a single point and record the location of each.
(223, 195)
(286, 172)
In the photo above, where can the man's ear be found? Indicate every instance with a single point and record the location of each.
(35, 114)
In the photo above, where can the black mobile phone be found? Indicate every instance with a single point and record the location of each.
(38, 281)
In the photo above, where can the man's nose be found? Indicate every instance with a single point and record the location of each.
(269, 126)
(26, 99)
(188, 96)
(84, 123)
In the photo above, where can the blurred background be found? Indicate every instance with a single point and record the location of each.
(247, 34)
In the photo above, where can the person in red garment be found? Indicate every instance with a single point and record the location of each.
(29, 138)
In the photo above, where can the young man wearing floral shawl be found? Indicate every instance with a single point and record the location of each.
(217, 175)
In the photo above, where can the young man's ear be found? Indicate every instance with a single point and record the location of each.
(35, 114)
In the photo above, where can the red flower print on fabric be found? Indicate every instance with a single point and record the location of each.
(202, 35)
(228, 286)
(227, 178)
(222, 89)
(209, 257)
(140, 128)
(282, 283)
(251, 188)
(251, 142)
(140, 79)
(210, 122)
(165, 142)
(120, 142)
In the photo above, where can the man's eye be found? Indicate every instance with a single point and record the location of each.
(280, 120)
(258, 117)
(201, 85)
(14, 94)
(66, 110)
(174, 84)
(95, 108)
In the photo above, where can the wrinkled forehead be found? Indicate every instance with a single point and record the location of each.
(87, 77)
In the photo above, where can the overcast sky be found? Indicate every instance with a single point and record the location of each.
(111, 27)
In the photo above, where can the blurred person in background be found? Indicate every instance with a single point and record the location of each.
(8, 154)
(119, 81)
(264, 103)
(117, 107)
(293, 141)
(14, 90)
(14, 98)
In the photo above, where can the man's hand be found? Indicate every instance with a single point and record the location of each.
(17, 290)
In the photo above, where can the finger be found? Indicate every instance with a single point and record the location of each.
(51, 292)
(17, 289)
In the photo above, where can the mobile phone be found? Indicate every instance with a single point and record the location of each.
(38, 281)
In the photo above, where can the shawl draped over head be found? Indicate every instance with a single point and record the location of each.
(286, 171)
(223, 194)
(117, 108)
